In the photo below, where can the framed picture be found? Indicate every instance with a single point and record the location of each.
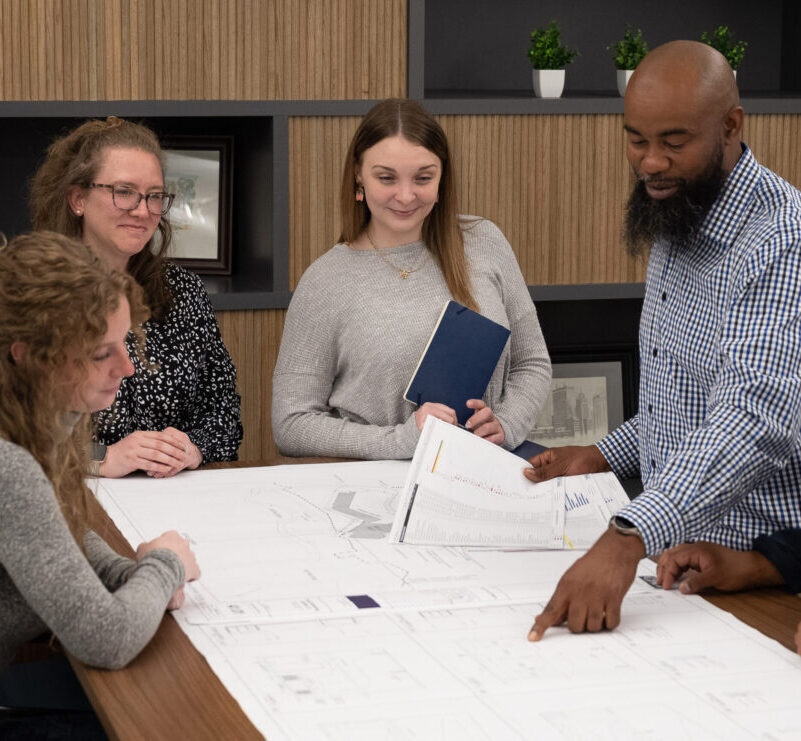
(198, 172)
(586, 402)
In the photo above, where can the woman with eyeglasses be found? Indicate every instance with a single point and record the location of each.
(103, 183)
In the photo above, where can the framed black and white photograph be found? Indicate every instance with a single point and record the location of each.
(585, 402)
(198, 172)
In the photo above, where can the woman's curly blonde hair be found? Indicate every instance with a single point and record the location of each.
(73, 160)
(55, 299)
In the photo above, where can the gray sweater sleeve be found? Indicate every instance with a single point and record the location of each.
(528, 380)
(58, 584)
(112, 568)
(303, 422)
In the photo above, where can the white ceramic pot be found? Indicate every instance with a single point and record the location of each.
(623, 77)
(548, 83)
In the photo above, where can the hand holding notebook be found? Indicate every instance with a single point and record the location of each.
(458, 360)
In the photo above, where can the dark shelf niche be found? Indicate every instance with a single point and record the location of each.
(470, 45)
(259, 276)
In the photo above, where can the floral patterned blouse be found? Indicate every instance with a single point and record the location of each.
(194, 388)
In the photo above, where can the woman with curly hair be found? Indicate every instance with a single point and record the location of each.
(103, 183)
(64, 319)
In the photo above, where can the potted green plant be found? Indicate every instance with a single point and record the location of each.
(549, 57)
(723, 40)
(628, 53)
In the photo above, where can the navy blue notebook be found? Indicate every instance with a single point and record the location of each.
(458, 361)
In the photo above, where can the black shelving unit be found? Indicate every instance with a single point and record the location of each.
(469, 56)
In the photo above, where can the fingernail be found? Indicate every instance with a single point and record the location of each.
(685, 588)
(534, 636)
(468, 424)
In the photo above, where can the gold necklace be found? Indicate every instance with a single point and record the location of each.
(404, 272)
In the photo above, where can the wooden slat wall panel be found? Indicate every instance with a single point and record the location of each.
(202, 49)
(775, 140)
(555, 185)
(253, 339)
(317, 147)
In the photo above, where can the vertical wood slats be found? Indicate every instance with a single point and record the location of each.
(253, 339)
(202, 49)
(775, 140)
(556, 186)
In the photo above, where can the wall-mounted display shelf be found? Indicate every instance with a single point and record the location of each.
(469, 56)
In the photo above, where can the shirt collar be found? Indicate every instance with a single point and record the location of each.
(730, 209)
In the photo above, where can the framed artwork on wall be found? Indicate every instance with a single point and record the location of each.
(198, 170)
(585, 402)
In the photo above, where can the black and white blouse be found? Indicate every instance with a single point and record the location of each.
(194, 388)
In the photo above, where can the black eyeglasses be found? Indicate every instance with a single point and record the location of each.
(127, 199)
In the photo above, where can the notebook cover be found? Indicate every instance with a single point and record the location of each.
(458, 360)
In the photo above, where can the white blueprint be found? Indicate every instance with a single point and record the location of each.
(321, 629)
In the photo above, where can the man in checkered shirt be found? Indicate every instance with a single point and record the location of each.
(716, 439)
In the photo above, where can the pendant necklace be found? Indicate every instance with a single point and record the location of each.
(404, 272)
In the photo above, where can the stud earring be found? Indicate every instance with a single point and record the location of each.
(360, 193)
(78, 212)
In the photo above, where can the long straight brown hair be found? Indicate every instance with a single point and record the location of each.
(442, 232)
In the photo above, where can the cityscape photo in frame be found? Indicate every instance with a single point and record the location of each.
(585, 402)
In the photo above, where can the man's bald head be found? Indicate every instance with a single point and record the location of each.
(689, 69)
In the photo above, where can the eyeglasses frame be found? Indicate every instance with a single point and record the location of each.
(146, 196)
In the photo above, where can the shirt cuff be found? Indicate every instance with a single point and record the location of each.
(781, 554)
(661, 525)
(622, 452)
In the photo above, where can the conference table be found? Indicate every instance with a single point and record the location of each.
(170, 692)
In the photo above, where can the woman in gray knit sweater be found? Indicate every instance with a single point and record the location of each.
(64, 318)
(362, 313)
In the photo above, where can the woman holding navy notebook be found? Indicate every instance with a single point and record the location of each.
(363, 312)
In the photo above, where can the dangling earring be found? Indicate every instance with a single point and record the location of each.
(360, 192)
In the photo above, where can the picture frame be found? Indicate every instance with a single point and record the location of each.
(198, 170)
(588, 399)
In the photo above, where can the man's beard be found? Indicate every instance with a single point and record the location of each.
(675, 219)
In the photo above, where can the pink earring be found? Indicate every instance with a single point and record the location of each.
(359, 193)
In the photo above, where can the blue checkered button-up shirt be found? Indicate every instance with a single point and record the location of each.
(717, 438)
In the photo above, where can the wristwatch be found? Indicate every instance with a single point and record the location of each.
(97, 459)
(624, 526)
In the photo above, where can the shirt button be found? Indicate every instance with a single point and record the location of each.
(664, 295)
(656, 352)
